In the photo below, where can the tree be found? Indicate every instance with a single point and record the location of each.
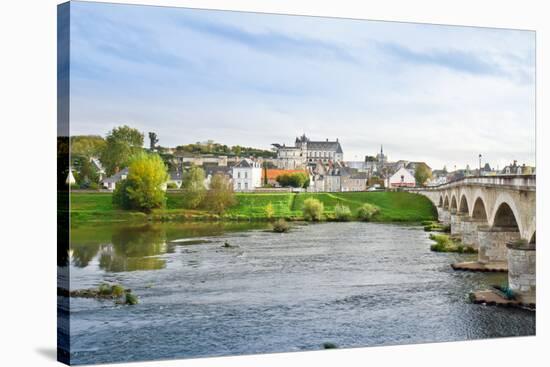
(87, 145)
(121, 143)
(297, 179)
(422, 174)
(153, 140)
(143, 188)
(87, 172)
(193, 184)
(221, 195)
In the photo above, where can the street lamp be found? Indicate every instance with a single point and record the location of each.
(480, 164)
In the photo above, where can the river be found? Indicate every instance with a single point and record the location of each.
(351, 284)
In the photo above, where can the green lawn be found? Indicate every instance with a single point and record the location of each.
(394, 206)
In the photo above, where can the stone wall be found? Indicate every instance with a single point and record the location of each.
(522, 271)
(444, 216)
(456, 224)
(469, 228)
(492, 243)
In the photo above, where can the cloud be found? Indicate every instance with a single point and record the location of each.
(269, 41)
(457, 60)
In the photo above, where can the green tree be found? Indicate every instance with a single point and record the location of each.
(121, 143)
(296, 179)
(143, 188)
(313, 209)
(221, 195)
(193, 185)
(422, 174)
(87, 172)
(153, 140)
(87, 145)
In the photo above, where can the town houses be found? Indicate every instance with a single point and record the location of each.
(321, 161)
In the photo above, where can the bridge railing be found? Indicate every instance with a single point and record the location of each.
(513, 181)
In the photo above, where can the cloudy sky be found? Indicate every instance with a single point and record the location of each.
(431, 93)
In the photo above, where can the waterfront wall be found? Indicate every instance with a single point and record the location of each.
(522, 271)
(492, 243)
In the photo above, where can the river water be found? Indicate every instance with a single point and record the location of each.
(351, 284)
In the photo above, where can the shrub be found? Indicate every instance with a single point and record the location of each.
(142, 189)
(105, 289)
(221, 195)
(313, 209)
(281, 226)
(269, 211)
(171, 185)
(342, 213)
(117, 290)
(131, 299)
(367, 211)
(193, 186)
(93, 186)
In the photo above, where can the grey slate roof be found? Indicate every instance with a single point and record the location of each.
(117, 176)
(325, 145)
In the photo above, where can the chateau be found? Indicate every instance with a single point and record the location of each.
(306, 152)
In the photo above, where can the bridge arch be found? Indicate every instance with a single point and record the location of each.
(533, 239)
(440, 201)
(505, 217)
(454, 205)
(479, 210)
(446, 202)
(463, 207)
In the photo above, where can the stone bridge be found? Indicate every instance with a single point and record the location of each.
(495, 215)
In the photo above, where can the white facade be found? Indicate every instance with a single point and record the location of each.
(247, 175)
(306, 152)
(402, 178)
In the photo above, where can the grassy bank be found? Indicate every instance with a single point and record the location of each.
(393, 207)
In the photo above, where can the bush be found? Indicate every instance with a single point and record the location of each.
(142, 190)
(104, 289)
(313, 209)
(269, 211)
(281, 226)
(93, 186)
(131, 299)
(117, 290)
(171, 185)
(367, 211)
(296, 179)
(342, 212)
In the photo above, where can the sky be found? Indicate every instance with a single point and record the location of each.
(433, 93)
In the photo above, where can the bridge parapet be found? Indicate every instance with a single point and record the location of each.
(518, 182)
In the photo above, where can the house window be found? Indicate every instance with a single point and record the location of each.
(238, 175)
(239, 185)
(246, 185)
(246, 175)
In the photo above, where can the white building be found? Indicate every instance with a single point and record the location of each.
(110, 182)
(402, 178)
(306, 151)
(247, 175)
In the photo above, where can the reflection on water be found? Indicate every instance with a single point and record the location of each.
(351, 284)
(137, 247)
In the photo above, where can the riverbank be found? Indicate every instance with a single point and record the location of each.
(392, 207)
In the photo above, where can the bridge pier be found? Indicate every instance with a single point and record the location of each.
(470, 231)
(522, 271)
(456, 224)
(492, 244)
(444, 216)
